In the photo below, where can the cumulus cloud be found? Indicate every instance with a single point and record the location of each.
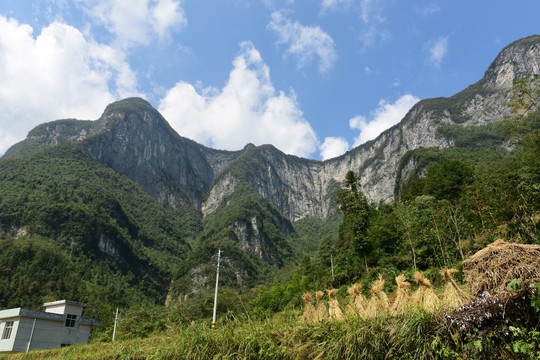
(382, 118)
(136, 22)
(57, 74)
(333, 146)
(437, 50)
(305, 43)
(247, 109)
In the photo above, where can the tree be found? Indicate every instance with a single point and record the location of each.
(446, 178)
(357, 215)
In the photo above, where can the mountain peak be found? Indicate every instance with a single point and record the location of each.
(129, 104)
(133, 108)
(516, 60)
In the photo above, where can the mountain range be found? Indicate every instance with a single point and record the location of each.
(247, 199)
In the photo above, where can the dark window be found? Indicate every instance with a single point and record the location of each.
(7, 330)
(70, 320)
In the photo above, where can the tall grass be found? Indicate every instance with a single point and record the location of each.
(415, 334)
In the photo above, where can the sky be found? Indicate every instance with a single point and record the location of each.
(313, 78)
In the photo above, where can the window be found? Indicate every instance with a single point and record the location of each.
(7, 330)
(70, 320)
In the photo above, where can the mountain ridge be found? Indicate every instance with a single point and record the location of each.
(135, 140)
(245, 202)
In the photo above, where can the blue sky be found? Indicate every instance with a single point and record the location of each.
(314, 78)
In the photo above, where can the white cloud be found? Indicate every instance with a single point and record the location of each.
(247, 109)
(136, 22)
(382, 118)
(437, 50)
(332, 5)
(333, 146)
(57, 74)
(372, 18)
(306, 43)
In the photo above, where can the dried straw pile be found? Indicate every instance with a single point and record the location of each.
(350, 309)
(333, 306)
(322, 314)
(424, 295)
(378, 303)
(310, 314)
(493, 267)
(403, 296)
(453, 296)
(361, 301)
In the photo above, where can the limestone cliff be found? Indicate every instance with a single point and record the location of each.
(135, 140)
(301, 188)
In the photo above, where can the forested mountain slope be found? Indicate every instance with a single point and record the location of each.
(126, 196)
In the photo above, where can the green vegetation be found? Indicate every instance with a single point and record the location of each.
(414, 334)
(309, 233)
(250, 233)
(83, 232)
(59, 211)
(455, 202)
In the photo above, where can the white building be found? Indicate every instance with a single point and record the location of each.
(60, 324)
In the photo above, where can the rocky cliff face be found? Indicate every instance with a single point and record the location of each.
(133, 138)
(303, 188)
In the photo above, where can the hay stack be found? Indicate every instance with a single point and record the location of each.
(333, 306)
(361, 302)
(320, 308)
(493, 267)
(403, 296)
(310, 314)
(453, 296)
(424, 296)
(378, 303)
(350, 310)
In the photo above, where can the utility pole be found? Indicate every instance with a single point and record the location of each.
(215, 296)
(332, 263)
(115, 320)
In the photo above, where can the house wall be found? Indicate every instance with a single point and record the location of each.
(23, 334)
(65, 309)
(7, 345)
(50, 334)
(47, 334)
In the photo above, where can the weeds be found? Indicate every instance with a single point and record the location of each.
(414, 334)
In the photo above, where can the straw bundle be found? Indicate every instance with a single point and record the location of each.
(453, 296)
(350, 309)
(424, 295)
(320, 308)
(378, 303)
(310, 314)
(403, 296)
(493, 267)
(333, 306)
(361, 302)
